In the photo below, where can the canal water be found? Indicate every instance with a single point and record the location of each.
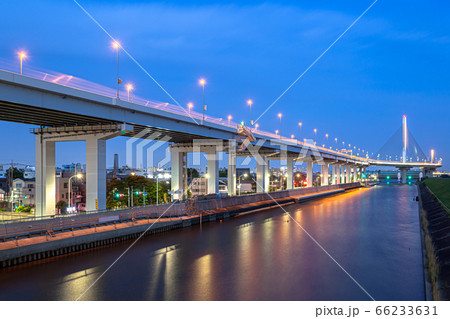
(372, 233)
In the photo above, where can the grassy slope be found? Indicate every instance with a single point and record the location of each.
(441, 188)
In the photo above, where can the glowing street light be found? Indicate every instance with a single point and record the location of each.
(326, 135)
(243, 175)
(315, 136)
(335, 139)
(202, 83)
(129, 88)
(292, 136)
(432, 156)
(79, 176)
(250, 102)
(116, 45)
(280, 115)
(22, 55)
(276, 132)
(256, 126)
(190, 106)
(229, 119)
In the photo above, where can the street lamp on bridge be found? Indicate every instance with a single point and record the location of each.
(116, 45)
(202, 83)
(250, 102)
(280, 115)
(129, 88)
(315, 136)
(22, 55)
(190, 106)
(300, 125)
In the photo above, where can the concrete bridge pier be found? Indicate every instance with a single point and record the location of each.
(347, 174)
(176, 159)
(290, 173)
(95, 173)
(338, 174)
(95, 137)
(355, 173)
(232, 168)
(45, 177)
(333, 174)
(213, 172)
(403, 170)
(309, 173)
(267, 175)
(324, 174)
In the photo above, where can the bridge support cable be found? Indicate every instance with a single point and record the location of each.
(394, 150)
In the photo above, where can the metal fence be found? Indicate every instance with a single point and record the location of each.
(39, 226)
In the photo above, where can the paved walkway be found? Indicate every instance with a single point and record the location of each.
(244, 209)
(86, 231)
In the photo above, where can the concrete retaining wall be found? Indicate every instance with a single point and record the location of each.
(22, 254)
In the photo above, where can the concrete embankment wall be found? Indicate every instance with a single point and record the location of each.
(228, 207)
(253, 198)
(435, 224)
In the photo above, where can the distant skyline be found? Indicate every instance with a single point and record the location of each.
(386, 66)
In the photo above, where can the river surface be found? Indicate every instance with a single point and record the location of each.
(372, 233)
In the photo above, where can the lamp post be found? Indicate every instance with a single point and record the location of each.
(250, 102)
(335, 139)
(116, 45)
(300, 125)
(157, 188)
(190, 106)
(22, 55)
(129, 88)
(315, 136)
(202, 83)
(326, 135)
(244, 175)
(70, 188)
(256, 126)
(276, 132)
(229, 120)
(280, 115)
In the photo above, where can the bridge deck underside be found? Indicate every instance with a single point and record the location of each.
(26, 114)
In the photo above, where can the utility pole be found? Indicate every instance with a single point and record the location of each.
(143, 194)
(129, 197)
(132, 197)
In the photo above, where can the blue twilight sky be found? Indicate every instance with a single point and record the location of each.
(394, 61)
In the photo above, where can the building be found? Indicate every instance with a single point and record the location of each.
(198, 186)
(245, 187)
(23, 192)
(29, 173)
(78, 191)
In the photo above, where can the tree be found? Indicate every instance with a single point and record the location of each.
(61, 205)
(192, 172)
(117, 191)
(23, 209)
(223, 172)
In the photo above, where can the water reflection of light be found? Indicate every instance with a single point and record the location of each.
(267, 240)
(156, 275)
(76, 284)
(202, 286)
(172, 260)
(244, 259)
